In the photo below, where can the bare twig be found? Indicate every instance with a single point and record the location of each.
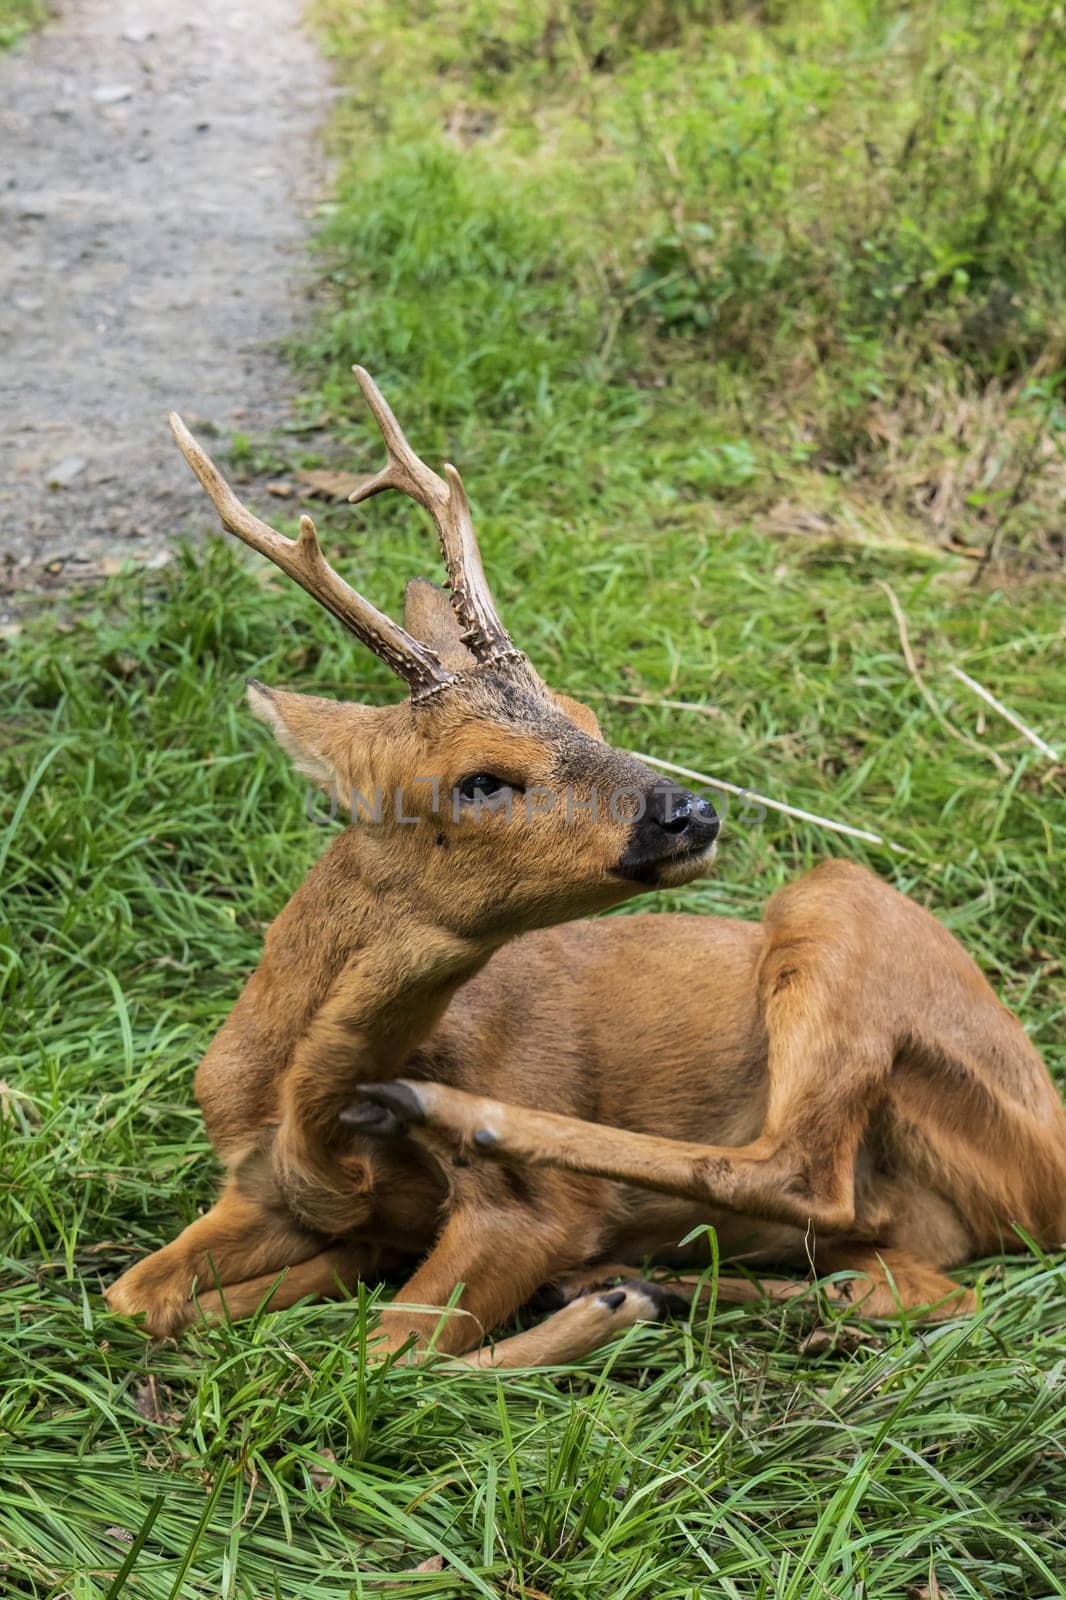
(1004, 711)
(763, 800)
(912, 667)
(649, 700)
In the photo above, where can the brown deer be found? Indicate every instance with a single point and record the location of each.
(836, 1089)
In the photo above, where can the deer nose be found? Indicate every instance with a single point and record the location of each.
(679, 811)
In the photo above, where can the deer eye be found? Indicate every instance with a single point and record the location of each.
(483, 783)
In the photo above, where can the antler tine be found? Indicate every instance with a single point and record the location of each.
(302, 560)
(445, 500)
(403, 470)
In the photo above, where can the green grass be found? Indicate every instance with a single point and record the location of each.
(663, 513)
(813, 263)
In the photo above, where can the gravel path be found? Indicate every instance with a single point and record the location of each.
(158, 167)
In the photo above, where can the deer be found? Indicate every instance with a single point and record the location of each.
(448, 1071)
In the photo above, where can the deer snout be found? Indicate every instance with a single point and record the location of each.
(679, 812)
(671, 838)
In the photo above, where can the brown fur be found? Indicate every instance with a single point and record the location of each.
(836, 1088)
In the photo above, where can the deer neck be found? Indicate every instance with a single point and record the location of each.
(356, 975)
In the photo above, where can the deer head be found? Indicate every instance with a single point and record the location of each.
(485, 801)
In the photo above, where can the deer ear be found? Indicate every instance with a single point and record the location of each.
(584, 716)
(317, 735)
(428, 615)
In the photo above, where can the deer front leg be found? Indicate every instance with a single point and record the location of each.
(318, 1177)
(580, 1327)
(500, 1252)
(330, 1275)
(238, 1239)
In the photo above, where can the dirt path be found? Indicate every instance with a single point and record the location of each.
(158, 165)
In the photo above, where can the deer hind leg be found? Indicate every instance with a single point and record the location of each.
(829, 1056)
(674, 1294)
(886, 1284)
(892, 1283)
(876, 1284)
(237, 1240)
(800, 1171)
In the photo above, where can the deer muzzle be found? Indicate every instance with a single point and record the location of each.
(675, 829)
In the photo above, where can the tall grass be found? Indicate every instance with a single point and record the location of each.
(830, 234)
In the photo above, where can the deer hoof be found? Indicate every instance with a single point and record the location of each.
(385, 1111)
(651, 1302)
(373, 1121)
(667, 1304)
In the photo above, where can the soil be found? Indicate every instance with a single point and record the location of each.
(158, 176)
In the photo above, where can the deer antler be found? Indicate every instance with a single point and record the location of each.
(446, 502)
(302, 559)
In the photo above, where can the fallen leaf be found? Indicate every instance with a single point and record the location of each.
(785, 517)
(112, 94)
(147, 1404)
(839, 1338)
(62, 475)
(430, 1564)
(321, 1479)
(16, 1103)
(198, 424)
(928, 1591)
(281, 491)
(326, 483)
